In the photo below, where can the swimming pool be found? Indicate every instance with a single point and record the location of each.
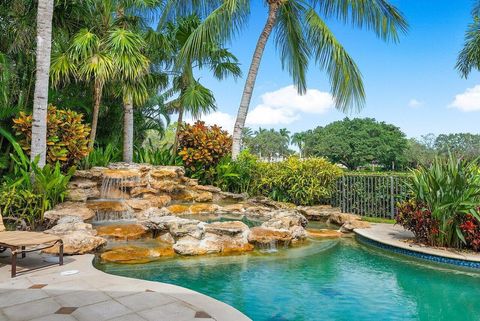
(325, 280)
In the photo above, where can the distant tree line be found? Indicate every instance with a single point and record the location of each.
(362, 144)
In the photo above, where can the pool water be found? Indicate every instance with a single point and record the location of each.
(325, 280)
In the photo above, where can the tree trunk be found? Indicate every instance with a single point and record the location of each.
(40, 98)
(97, 97)
(128, 130)
(251, 78)
(179, 125)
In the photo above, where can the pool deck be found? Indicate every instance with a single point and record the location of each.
(90, 294)
(397, 236)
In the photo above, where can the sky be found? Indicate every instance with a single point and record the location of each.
(412, 84)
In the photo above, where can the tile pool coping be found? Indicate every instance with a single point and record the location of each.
(393, 238)
(92, 294)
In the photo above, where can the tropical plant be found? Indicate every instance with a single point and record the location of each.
(301, 34)
(202, 147)
(236, 176)
(26, 199)
(157, 156)
(67, 136)
(101, 156)
(450, 190)
(40, 101)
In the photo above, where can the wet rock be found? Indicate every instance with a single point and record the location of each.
(265, 236)
(134, 254)
(238, 208)
(69, 209)
(165, 237)
(151, 213)
(227, 196)
(78, 238)
(185, 195)
(285, 220)
(108, 205)
(189, 246)
(167, 172)
(227, 228)
(342, 218)
(267, 202)
(139, 204)
(122, 231)
(167, 186)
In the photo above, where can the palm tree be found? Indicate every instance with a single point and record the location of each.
(40, 101)
(193, 97)
(469, 56)
(285, 133)
(301, 34)
(298, 139)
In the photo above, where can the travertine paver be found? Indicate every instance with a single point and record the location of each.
(395, 235)
(46, 295)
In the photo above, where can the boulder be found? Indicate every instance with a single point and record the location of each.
(94, 174)
(265, 236)
(208, 188)
(186, 195)
(268, 202)
(70, 209)
(134, 254)
(167, 172)
(188, 245)
(237, 208)
(151, 213)
(285, 220)
(342, 218)
(177, 226)
(122, 231)
(318, 213)
(165, 237)
(167, 186)
(108, 205)
(227, 196)
(78, 242)
(139, 204)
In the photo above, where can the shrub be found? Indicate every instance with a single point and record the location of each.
(417, 219)
(67, 135)
(156, 155)
(101, 157)
(303, 182)
(202, 147)
(471, 231)
(449, 190)
(24, 199)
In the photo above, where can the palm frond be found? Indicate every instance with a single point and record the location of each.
(469, 56)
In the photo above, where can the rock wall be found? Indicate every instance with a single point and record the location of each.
(157, 196)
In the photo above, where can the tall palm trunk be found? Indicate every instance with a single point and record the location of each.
(97, 97)
(252, 77)
(40, 100)
(177, 131)
(128, 130)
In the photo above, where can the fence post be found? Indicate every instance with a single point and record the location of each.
(392, 198)
(344, 197)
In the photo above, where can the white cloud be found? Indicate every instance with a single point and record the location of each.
(224, 120)
(285, 105)
(414, 103)
(468, 101)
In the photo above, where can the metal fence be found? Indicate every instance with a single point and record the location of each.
(369, 195)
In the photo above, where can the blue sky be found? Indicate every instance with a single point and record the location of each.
(412, 84)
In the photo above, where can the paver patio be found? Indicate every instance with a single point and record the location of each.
(94, 295)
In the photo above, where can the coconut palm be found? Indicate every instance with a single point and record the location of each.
(301, 34)
(285, 133)
(298, 139)
(193, 97)
(469, 57)
(40, 100)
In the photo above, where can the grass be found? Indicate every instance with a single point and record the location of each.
(378, 220)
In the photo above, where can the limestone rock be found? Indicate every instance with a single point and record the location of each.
(188, 245)
(204, 197)
(158, 200)
(178, 209)
(69, 209)
(265, 236)
(122, 231)
(139, 204)
(135, 254)
(140, 191)
(286, 220)
(151, 213)
(203, 208)
(95, 174)
(237, 207)
(166, 237)
(208, 188)
(167, 186)
(342, 218)
(229, 196)
(227, 228)
(186, 194)
(315, 233)
(354, 224)
(318, 213)
(167, 172)
(108, 205)
(78, 242)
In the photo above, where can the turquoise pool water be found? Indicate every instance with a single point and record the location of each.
(326, 280)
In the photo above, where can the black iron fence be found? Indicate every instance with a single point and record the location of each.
(370, 195)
